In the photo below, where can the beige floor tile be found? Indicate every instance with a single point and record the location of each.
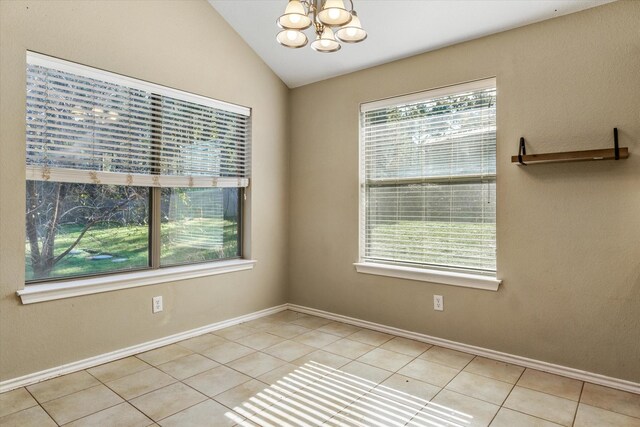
(311, 322)
(456, 409)
(406, 390)
(429, 372)
(360, 375)
(118, 369)
(31, 417)
(61, 386)
(551, 384)
(188, 366)
(167, 401)
(164, 354)
(509, 418)
(260, 340)
(373, 409)
(287, 330)
(590, 416)
(385, 359)
(122, 415)
(15, 400)
(248, 398)
(80, 404)
(312, 371)
(367, 336)
(316, 338)
(324, 358)
(235, 332)
(483, 388)
(278, 374)
(331, 394)
(216, 380)
(285, 316)
(208, 413)
(289, 379)
(406, 346)
(289, 350)
(494, 369)
(542, 405)
(448, 357)
(140, 383)
(611, 400)
(309, 406)
(202, 342)
(256, 364)
(225, 353)
(348, 348)
(338, 328)
(263, 323)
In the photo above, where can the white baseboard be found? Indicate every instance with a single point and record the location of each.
(129, 351)
(479, 351)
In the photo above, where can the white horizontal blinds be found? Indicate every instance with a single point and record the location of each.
(429, 179)
(85, 129)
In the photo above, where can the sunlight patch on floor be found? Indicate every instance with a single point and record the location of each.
(316, 394)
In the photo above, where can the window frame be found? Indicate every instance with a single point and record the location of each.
(45, 289)
(419, 272)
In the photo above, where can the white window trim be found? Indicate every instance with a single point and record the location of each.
(465, 280)
(72, 288)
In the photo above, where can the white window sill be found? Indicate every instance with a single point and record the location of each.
(93, 285)
(434, 276)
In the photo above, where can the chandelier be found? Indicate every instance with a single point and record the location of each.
(332, 23)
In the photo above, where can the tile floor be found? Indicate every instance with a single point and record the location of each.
(292, 369)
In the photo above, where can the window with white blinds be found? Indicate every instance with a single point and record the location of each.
(92, 126)
(125, 175)
(428, 165)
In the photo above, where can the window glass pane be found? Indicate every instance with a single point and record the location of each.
(199, 224)
(85, 229)
(449, 225)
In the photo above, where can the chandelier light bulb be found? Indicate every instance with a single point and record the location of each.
(352, 32)
(326, 42)
(295, 17)
(292, 38)
(334, 14)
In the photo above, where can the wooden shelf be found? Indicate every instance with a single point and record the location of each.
(572, 156)
(615, 153)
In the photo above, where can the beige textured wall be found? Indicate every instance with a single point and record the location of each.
(182, 44)
(568, 234)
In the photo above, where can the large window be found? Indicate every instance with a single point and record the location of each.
(126, 175)
(428, 179)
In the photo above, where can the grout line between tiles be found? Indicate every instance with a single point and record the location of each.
(575, 414)
(40, 405)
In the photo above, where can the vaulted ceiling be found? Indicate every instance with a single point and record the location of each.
(397, 29)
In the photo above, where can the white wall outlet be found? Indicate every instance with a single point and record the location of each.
(156, 304)
(438, 302)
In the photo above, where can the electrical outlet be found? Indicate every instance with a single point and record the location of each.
(156, 304)
(438, 302)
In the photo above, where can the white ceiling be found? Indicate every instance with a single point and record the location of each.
(397, 29)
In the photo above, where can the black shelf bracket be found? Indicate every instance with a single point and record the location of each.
(615, 144)
(522, 150)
